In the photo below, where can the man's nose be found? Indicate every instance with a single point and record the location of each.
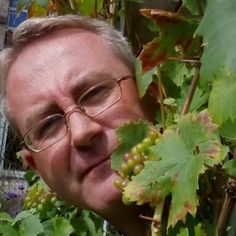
(83, 130)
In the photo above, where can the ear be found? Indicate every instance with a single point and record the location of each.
(28, 158)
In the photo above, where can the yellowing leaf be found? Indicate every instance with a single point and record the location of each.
(36, 10)
(184, 156)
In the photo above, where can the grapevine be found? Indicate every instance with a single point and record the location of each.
(185, 167)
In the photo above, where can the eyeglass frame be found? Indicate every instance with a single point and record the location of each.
(80, 109)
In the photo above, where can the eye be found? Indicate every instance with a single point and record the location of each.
(96, 94)
(48, 127)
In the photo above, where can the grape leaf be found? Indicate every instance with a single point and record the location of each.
(184, 155)
(193, 6)
(36, 10)
(5, 217)
(174, 30)
(230, 167)
(200, 98)
(30, 225)
(143, 80)
(217, 28)
(177, 71)
(222, 106)
(87, 8)
(138, 131)
(62, 226)
(228, 130)
(8, 230)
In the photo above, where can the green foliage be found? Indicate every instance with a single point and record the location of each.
(47, 215)
(224, 92)
(230, 167)
(217, 29)
(194, 149)
(188, 65)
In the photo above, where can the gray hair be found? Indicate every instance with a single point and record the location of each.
(36, 28)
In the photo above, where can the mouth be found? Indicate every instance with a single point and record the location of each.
(96, 166)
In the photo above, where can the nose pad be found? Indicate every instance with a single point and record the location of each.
(83, 129)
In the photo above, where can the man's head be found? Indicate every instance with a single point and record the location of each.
(67, 86)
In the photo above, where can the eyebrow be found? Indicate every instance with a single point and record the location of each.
(77, 88)
(87, 80)
(41, 113)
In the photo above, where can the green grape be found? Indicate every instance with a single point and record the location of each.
(133, 161)
(43, 201)
(39, 207)
(134, 150)
(126, 200)
(124, 183)
(130, 164)
(127, 156)
(147, 142)
(117, 183)
(138, 168)
(140, 148)
(53, 199)
(125, 169)
(154, 135)
(138, 159)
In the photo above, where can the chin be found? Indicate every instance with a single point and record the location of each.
(103, 195)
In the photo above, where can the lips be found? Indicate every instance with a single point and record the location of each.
(90, 168)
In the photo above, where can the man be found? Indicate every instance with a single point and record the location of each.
(67, 85)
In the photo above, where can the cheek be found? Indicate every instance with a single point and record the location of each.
(120, 114)
(52, 165)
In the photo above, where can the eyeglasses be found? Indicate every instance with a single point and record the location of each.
(91, 103)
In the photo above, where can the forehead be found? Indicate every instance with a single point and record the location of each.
(44, 70)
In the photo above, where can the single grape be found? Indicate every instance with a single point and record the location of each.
(126, 200)
(138, 168)
(40, 207)
(117, 183)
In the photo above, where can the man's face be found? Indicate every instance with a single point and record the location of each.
(47, 78)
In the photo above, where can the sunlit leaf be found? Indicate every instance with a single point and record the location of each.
(31, 226)
(129, 135)
(184, 156)
(22, 4)
(222, 106)
(217, 28)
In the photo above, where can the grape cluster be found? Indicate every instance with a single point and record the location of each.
(40, 199)
(133, 161)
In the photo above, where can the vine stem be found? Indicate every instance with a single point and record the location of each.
(161, 97)
(191, 91)
(155, 227)
(71, 4)
(181, 59)
(226, 209)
